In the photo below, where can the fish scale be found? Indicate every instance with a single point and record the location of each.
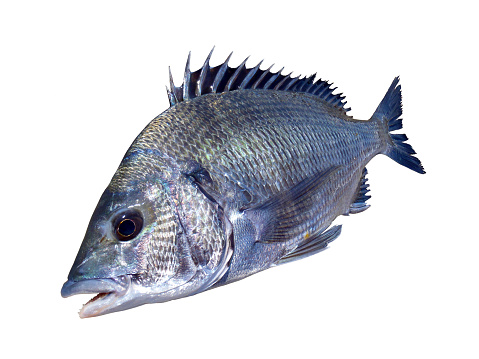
(289, 128)
(246, 170)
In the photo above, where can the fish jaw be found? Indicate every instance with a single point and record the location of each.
(112, 295)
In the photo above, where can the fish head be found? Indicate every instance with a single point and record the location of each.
(150, 239)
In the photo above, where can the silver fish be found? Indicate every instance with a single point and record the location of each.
(246, 170)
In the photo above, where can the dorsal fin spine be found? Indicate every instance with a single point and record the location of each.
(272, 79)
(338, 100)
(330, 97)
(221, 72)
(250, 75)
(306, 87)
(223, 78)
(171, 91)
(170, 97)
(279, 84)
(324, 90)
(263, 75)
(186, 80)
(172, 84)
(232, 79)
(201, 87)
(320, 87)
(291, 83)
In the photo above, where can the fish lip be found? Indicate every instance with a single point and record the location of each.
(109, 291)
(87, 286)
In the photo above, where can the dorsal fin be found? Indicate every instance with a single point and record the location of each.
(223, 78)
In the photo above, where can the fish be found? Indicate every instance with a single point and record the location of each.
(246, 170)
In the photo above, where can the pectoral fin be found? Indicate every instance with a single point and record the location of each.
(278, 218)
(315, 245)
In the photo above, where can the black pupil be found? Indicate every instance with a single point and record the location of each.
(126, 227)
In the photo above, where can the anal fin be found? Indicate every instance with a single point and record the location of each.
(359, 203)
(315, 245)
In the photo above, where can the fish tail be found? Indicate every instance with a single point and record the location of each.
(388, 113)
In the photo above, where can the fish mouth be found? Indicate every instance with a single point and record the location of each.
(111, 293)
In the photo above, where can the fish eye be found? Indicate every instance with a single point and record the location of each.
(127, 225)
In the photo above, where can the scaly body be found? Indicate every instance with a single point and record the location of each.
(266, 155)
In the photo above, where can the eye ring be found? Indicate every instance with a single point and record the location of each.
(127, 225)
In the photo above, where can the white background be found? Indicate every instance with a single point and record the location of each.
(80, 79)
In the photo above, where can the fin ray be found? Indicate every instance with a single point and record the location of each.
(316, 244)
(359, 203)
(388, 112)
(202, 81)
(224, 78)
(278, 218)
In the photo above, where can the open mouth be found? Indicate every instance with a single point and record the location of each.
(98, 296)
(110, 292)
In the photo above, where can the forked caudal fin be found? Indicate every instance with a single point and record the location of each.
(388, 112)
